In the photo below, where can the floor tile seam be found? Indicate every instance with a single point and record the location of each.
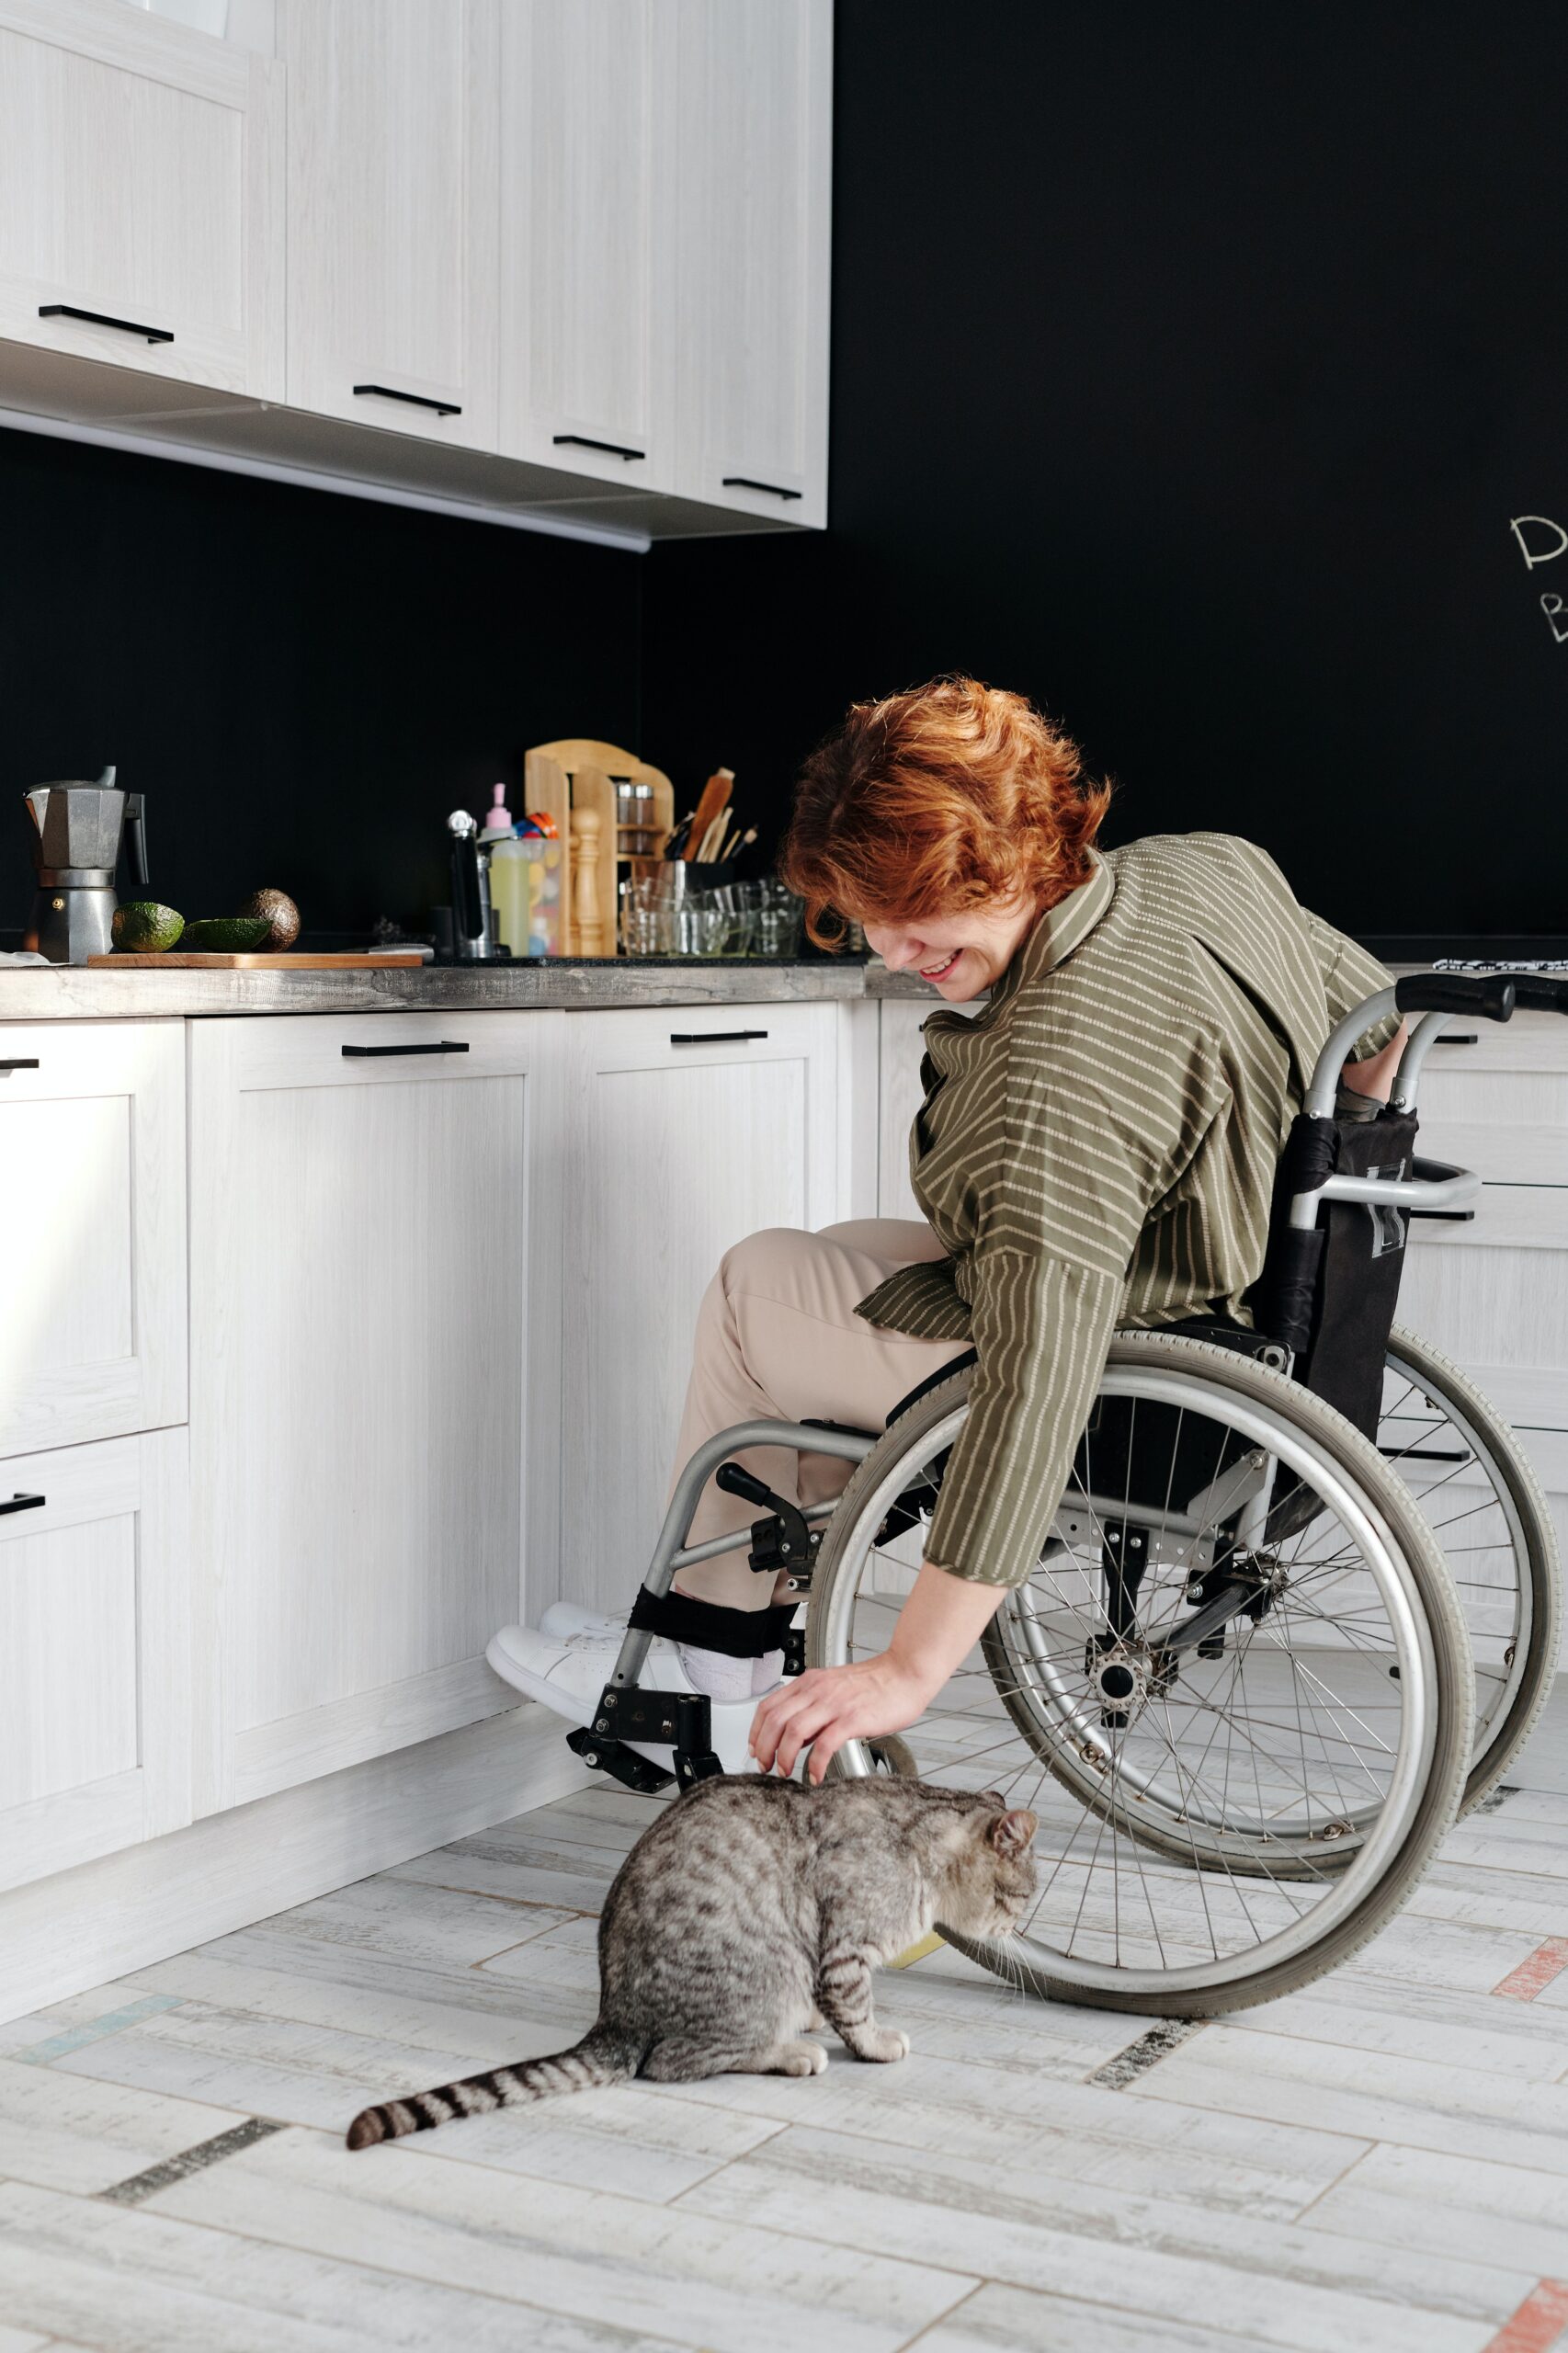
(553, 2181)
(1359, 2158)
(1073, 2227)
(488, 1895)
(942, 2319)
(1463, 2076)
(909, 2264)
(891, 2139)
(1510, 2026)
(1363, 2296)
(346, 2263)
(1426, 2147)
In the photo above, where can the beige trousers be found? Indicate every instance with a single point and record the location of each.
(777, 1338)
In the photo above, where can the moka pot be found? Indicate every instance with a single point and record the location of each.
(76, 831)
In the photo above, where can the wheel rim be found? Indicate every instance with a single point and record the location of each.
(1137, 1895)
(1483, 1540)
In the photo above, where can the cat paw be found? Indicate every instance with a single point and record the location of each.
(882, 2043)
(800, 2058)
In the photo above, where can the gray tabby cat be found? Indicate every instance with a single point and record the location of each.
(752, 1910)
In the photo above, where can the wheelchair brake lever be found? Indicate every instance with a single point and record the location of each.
(783, 1540)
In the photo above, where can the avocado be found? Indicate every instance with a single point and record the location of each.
(227, 935)
(281, 915)
(142, 924)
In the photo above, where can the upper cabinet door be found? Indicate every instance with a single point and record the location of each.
(140, 170)
(586, 133)
(753, 142)
(392, 213)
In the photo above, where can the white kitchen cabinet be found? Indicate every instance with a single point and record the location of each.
(687, 1130)
(754, 104)
(374, 1439)
(94, 1730)
(393, 214)
(92, 1230)
(141, 182)
(586, 154)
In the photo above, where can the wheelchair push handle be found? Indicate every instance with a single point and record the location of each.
(1541, 992)
(1492, 995)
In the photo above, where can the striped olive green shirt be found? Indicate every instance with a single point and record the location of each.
(1096, 1148)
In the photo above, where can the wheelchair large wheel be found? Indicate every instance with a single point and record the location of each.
(1219, 1823)
(1484, 1506)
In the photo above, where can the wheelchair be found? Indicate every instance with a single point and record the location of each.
(1298, 1607)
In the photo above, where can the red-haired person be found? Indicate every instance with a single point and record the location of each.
(1096, 1148)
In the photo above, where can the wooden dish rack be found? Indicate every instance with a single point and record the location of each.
(563, 780)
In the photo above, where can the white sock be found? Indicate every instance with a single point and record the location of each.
(723, 1678)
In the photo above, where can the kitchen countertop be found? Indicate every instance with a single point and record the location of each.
(98, 993)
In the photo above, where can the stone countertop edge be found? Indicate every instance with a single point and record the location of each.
(97, 993)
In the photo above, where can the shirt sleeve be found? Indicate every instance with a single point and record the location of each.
(1043, 1328)
(1349, 976)
(1090, 1148)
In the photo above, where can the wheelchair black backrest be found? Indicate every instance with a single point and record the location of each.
(1329, 1292)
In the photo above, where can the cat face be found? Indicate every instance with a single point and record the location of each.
(991, 1872)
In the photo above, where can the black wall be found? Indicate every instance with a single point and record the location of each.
(1189, 362)
(303, 684)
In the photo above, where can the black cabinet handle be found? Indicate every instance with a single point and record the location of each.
(19, 1062)
(102, 319)
(581, 441)
(714, 1037)
(22, 1503)
(415, 400)
(744, 481)
(440, 1046)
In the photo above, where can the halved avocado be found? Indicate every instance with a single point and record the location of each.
(141, 925)
(226, 935)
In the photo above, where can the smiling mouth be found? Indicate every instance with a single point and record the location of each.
(939, 972)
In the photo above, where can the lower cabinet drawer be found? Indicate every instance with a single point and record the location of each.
(94, 1651)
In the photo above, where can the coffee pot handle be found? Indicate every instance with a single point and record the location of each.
(136, 839)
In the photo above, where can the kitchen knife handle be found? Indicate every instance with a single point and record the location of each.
(415, 400)
(22, 1503)
(444, 1046)
(610, 449)
(102, 319)
(714, 1037)
(19, 1062)
(744, 481)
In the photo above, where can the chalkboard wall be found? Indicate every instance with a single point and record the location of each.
(1189, 364)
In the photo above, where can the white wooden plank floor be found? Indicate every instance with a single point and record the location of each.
(1377, 2164)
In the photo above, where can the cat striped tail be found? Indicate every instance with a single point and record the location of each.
(598, 2059)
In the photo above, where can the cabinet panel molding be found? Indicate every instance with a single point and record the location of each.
(674, 1153)
(94, 1661)
(586, 151)
(140, 181)
(393, 214)
(375, 1285)
(92, 1230)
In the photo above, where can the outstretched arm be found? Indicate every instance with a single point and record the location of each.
(937, 1627)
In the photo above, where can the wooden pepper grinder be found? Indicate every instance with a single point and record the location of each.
(587, 923)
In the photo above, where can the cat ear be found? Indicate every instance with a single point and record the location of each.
(992, 1798)
(1011, 1832)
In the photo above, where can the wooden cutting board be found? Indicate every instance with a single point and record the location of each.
(263, 960)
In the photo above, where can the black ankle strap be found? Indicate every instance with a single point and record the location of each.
(707, 1625)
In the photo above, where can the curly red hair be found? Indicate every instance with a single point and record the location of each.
(934, 800)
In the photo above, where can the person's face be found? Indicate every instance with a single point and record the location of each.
(960, 955)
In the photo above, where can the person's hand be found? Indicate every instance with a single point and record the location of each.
(828, 1705)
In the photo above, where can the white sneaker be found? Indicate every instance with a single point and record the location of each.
(568, 1676)
(563, 1618)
